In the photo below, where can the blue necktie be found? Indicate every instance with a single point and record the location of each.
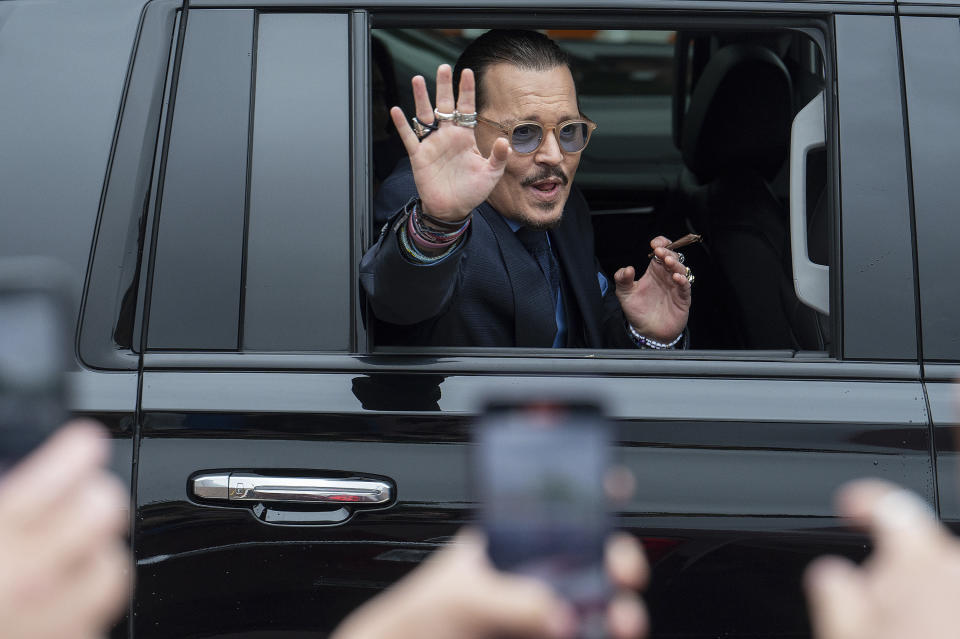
(537, 245)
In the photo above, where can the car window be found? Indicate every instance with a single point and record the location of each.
(252, 248)
(686, 143)
(931, 53)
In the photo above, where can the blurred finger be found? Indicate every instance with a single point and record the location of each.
(97, 515)
(445, 102)
(626, 617)
(45, 479)
(625, 561)
(99, 593)
(467, 94)
(837, 597)
(421, 100)
(897, 519)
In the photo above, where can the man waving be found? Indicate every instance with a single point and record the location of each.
(488, 242)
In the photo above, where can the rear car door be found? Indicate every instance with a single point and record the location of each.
(931, 57)
(258, 374)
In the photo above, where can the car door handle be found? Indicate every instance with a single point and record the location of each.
(250, 487)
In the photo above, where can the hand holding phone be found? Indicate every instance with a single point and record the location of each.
(539, 471)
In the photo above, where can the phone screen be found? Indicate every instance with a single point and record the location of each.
(539, 474)
(32, 361)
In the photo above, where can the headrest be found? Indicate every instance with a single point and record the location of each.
(740, 114)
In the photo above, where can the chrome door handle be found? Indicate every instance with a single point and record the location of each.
(239, 487)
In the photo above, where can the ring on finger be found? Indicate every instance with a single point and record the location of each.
(690, 276)
(680, 257)
(444, 117)
(468, 120)
(422, 129)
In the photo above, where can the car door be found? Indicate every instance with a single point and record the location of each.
(931, 57)
(261, 389)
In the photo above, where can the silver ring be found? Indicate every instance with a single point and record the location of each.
(444, 117)
(468, 120)
(422, 129)
(690, 276)
(680, 257)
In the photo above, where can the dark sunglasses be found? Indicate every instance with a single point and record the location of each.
(526, 137)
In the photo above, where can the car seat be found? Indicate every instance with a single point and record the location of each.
(735, 139)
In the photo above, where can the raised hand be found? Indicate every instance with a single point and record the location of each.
(452, 176)
(658, 304)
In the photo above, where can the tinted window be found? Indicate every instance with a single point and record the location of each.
(253, 242)
(198, 267)
(931, 58)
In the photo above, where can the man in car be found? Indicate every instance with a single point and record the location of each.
(489, 244)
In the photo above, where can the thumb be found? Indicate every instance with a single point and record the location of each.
(835, 592)
(624, 279)
(499, 154)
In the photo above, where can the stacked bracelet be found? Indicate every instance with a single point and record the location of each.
(646, 342)
(411, 252)
(432, 239)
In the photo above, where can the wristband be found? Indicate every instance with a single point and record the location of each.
(646, 342)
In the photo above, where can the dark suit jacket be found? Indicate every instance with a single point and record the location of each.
(490, 291)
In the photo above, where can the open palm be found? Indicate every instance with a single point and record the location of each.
(452, 176)
(658, 304)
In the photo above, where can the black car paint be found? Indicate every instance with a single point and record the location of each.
(736, 454)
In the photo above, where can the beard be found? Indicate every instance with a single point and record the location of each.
(539, 224)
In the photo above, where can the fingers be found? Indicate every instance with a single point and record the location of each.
(838, 602)
(499, 154)
(625, 562)
(45, 480)
(445, 102)
(407, 136)
(98, 592)
(421, 99)
(898, 520)
(624, 278)
(626, 617)
(96, 515)
(466, 98)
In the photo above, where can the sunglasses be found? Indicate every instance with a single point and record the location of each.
(527, 136)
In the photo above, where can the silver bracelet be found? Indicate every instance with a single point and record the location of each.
(646, 342)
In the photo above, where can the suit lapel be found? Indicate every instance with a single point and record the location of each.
(583, 290)
(534, 321)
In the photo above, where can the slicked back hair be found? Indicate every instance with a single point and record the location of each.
(530, 50)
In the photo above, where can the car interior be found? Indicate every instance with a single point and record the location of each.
(695, 135)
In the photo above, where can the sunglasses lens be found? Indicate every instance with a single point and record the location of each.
(526, 138)
(573, 136)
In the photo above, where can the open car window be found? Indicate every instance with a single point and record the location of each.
(699, 132)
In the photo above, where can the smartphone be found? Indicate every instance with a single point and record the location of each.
(35, 316)
(539, 469)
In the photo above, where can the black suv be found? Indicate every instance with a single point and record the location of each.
(207, 168)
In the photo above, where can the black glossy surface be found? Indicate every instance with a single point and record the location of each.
(748, 492)
(299, 188)
(931, 58)
(879, 317)
(108, 311)
(195, 298)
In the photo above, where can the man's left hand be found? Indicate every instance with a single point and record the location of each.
(656, 305)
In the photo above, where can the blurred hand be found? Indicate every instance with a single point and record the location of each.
(908, 588)
(457, 594)
(452, 176)
(64, 565)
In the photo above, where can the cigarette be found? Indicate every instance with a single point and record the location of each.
(686, 240)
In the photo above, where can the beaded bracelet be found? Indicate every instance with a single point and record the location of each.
(431, 234)
(411, 252)
(646, 342)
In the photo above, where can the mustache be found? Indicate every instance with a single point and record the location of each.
(544, 173)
